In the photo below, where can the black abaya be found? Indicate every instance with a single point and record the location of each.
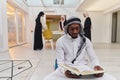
(87, 27)
(38, 42)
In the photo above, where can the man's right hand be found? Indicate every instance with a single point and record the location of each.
(70, 75)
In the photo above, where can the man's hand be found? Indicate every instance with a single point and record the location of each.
(98, 68)
(70, 75)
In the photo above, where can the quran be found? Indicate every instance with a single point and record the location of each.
(78, 72)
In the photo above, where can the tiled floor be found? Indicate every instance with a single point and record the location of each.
(42, 61)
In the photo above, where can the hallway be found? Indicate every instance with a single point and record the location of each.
(43, 61)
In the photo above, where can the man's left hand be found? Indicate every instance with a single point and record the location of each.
(98, 68)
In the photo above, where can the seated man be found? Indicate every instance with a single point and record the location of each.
(72, 49)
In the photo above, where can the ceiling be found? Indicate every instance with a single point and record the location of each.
(98, 5)
(54, 3)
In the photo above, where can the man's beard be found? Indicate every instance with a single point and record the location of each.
(74, 37)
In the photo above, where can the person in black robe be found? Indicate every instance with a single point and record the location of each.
(38, 42)
(87, 26)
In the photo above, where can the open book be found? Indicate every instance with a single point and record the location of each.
(77, 72)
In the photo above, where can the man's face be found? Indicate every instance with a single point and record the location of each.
(74, 30)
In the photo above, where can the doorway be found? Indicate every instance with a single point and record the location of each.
(115, 27)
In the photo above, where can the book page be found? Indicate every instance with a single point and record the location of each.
(72, 69)
(77, 72)
(91, 72)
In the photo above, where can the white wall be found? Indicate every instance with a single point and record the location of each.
(19, 4)
(101, 23)
(34, 11)
(108, 28)
(3, 20)
(3, 26)
(101, 26)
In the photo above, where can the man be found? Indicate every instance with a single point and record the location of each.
(72, 49)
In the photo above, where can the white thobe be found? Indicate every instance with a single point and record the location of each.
(66, 51)
(67, 48)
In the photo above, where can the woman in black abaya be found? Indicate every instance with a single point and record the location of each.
(87, 26)
(38, 42)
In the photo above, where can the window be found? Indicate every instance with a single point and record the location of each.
(58, 2)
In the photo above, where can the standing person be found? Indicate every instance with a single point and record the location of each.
(72, 49)
(87, 26)
(40, 24)
(62, 23)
